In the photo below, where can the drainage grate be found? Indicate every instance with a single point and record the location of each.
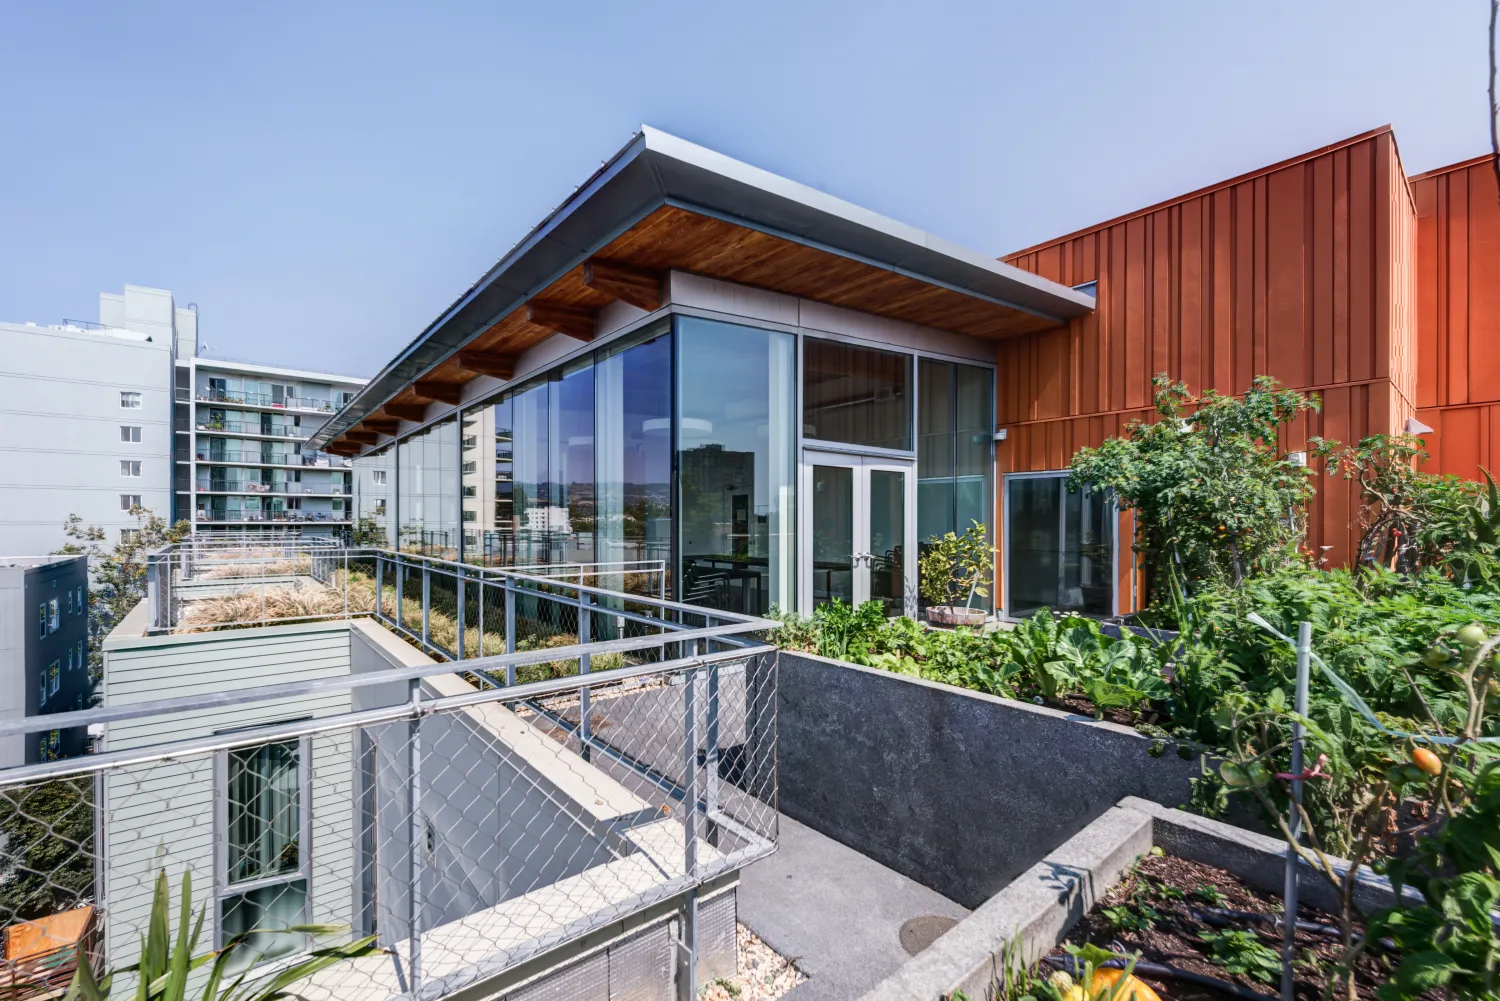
(918, 933)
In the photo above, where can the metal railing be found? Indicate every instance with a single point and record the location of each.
(290, 517)
(316, 460)
(245, 486)
(255, 427)
(233, 397)
(471, 817)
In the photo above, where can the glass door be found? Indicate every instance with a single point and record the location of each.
(859, 531)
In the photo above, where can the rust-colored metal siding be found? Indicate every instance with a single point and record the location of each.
(1458, 316)
(1304, 270)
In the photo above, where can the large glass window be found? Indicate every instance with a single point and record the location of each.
(856, 395)
(736, 463)
(427, 489)
(1059, 547)
(485, 491)
(374, 498)
(955, 424)
(531, 494)
(633, 395)
(264, 824)
(572, 439)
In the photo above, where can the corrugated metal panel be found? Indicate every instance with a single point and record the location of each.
(1458, 315)
(1305, 271)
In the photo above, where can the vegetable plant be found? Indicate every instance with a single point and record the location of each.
(954, 568)
(1241, 951)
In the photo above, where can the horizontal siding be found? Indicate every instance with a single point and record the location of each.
(160, 817)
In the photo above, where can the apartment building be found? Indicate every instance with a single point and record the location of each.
(86, 412)
(44, 653)
(240, 457)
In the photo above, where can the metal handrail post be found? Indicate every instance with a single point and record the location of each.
(415, 832)
(459, 588)
(510, 629)
(481, 593)
(346, 583)
(584, 627)
(400, 581)
(687, 970)
(426, 604)
(379, 588)
(711, 746)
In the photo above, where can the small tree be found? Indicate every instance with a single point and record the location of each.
(957, 566)
(1214, 498)
(48, 862)
(117, 576)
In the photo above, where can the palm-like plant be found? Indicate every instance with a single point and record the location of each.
(166, 967)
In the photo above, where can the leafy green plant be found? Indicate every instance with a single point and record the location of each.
(844, 630)
(957, 567)
(1214, 499)
(1131, 916)
(1241, 952)
(167, 967)
(1210, 895)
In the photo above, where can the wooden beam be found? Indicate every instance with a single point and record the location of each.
(442, 392)
(632, 285)
(568, 320)
(362, 437)
(379, 426)
(501, 366)
(406, 411)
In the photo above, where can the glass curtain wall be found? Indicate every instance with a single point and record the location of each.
(375, 498)
(427, 491)
(955, 425)
(1059, 547)
(736, 460)
(633, 400)
(572, 458)
(856, 395)
(485, 476)
(531, 494)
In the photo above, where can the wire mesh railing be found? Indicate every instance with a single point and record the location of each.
(470, 817)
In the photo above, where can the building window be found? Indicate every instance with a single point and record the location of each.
(264, 823)
(54, 616)
(955, 426)
(81, 661)
(856, 395)
(42, 699)
(130, 401)
(377, 476)
(130, 467)
(130, 433)
(54, 677)
(69, 593)
(70, 661)
(129, 534)
(379, 509)
(1059, 547)
(128, 501)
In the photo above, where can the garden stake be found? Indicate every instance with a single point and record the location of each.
(1289, 890)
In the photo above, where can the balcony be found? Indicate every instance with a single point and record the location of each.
(279, 517)
(569, 794)
(255, 429)
(239, 456)
(264, 401)
(240, 486)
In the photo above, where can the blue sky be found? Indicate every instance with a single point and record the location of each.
(323, 178)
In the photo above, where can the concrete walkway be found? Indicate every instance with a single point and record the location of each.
(836, 913)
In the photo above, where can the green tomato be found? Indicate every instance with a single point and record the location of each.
(1471, 635)
(1436, 656)
(1237, 777)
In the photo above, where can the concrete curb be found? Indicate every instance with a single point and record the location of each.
(1040, 906)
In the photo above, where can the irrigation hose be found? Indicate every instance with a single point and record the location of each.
(1160, 971)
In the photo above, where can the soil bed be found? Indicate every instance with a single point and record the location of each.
(1161, 907)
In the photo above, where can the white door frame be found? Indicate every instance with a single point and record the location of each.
(862, 464)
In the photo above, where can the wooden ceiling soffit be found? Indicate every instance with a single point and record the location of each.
(441, 391)
(362, 437)
(492, 363)
(568, 320)
(639, 288)
(406, 411)
(389, 427)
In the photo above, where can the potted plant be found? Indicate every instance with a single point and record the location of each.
(957, 568)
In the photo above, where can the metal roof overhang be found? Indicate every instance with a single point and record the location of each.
(656, 169)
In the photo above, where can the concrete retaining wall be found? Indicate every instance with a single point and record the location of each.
(960, 791)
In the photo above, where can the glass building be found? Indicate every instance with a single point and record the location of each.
(776, 396)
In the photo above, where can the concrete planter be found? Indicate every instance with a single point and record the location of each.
(956, 615)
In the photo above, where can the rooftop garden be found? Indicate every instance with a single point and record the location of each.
(1402, 772)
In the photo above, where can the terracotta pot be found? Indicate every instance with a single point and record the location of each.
(956, 615)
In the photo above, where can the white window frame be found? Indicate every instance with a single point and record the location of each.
(131, 400)
(127, 501)
(130, 433)
(223, 888)
(130, 468)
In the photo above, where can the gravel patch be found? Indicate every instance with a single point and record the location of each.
(763, 974)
